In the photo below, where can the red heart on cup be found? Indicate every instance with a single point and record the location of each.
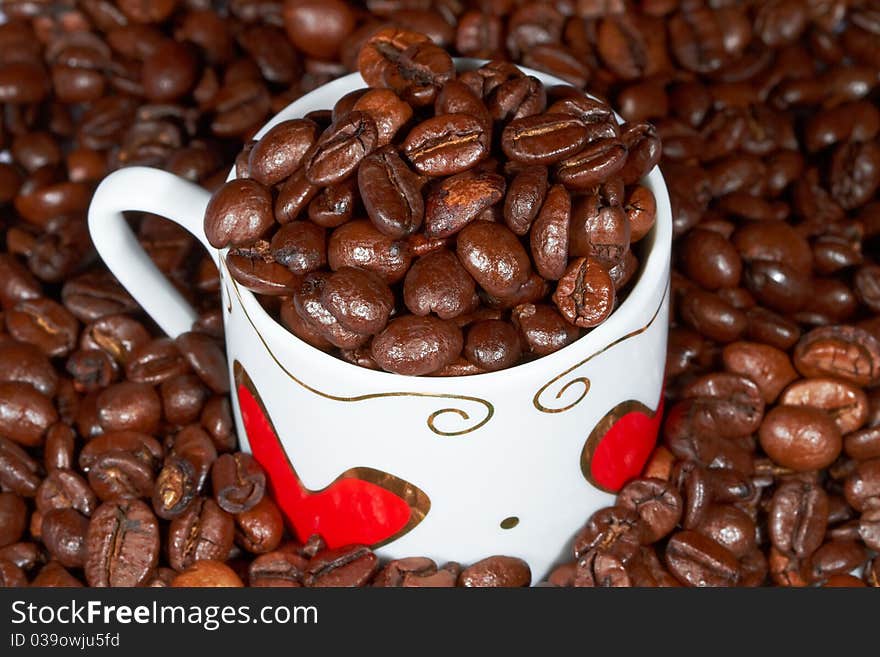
(620, 444)
(363, 505)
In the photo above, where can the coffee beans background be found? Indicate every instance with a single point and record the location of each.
(117, 450)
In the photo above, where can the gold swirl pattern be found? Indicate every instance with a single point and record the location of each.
(582, 380)
(432, 418)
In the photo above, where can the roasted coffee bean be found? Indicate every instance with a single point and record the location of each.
(341, 148)
(710, 260)
(835, 558)
(524, 199)
(391, 193)
(183, 398)
(65, 489)
(543, 138)
(260, 529)
(438, 283)
(19, 473)
(417, 345)
(730, 527)
(614, 530)
(408, 63)
(862, 487)
(238, 482)
(203, 531)
(359, 300)
(863, 445)
(207, 573)
(459, 200)
(25, 414)
(254, 269)
(280, 152)
(63, 532)
(216, 419)
(731, 403)
(45, 324)
(238, 213)
(769, 368)
(696, 560)
(388, 111)
(155, 362)
(333, 205)
(347, 566)
(122, 544)
(206, 359)
(277, 569)
(492, 344)
(846, 352)
(129, 406)
(800, 437)
(13, 518)
(446, 144)
(542, 328)
(711, 316)
(496, 571)
(294, 196)
(493, 255)
(657, 503)
(550, 234)
(585, 294)
(359, 244)
(845, 403)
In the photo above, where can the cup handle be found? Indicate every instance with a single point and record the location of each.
(158, 192)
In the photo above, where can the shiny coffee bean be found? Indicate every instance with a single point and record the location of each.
(415, 345)
(122, 544)
(800, 437)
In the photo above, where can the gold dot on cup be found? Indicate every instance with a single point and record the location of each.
(509, 523)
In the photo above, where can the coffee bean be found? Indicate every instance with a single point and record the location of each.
(657, 503)
(524, 199)
(459, 200)
(438, 283)
(496, 571)
(846, 352)
(696, 560)
(845, 403)
(391, 193)
(359, 244)
(206, 359)
(862, 487)
(341, 148)
(63, 532)
(207, 573)
(281, 151)
(122, 544)
(278, 568)
(238, 482)
(492, 344)
(13, 518)
(415, 345)
(585, 294)
(347, 566)
(25, 414)
(407, 63)
(260, 529)
(542, 328)
(800, 437)
(494, 257)
(203, 531)
(238, 213)
(446, 144)
(768, 367)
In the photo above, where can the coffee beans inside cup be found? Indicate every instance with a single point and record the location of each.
(440, 223)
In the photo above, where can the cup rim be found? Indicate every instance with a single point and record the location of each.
(651, 282)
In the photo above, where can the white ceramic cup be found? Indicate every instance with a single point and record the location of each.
(453, 468)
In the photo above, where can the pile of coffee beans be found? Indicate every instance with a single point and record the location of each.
(432, 203)
(118, 461)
